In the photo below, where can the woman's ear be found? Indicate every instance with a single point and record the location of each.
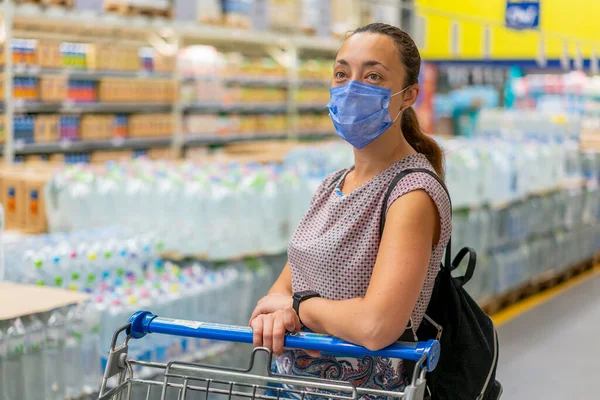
(411, 95)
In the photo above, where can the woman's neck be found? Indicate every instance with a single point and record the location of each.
(377, 157)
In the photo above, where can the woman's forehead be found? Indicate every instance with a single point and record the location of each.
(366, 46)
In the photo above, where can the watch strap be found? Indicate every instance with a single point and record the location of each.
(299, 297)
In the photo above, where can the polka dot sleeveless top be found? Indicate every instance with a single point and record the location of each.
(333, 252)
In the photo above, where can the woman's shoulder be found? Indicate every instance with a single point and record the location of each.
(421, 181)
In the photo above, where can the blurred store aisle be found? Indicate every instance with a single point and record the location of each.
(552, 352)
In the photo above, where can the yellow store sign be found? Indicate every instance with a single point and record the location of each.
(477, 29)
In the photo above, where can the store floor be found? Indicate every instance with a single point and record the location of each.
(552, 352)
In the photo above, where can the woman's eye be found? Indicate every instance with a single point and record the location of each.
(340, 75)
(374, 77)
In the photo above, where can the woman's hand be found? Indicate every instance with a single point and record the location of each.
(270, 304)
(270, 329)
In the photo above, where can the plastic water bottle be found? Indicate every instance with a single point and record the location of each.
(33, 365)
(4, 325)
(13, 377)
(90, 345)
(73, 352)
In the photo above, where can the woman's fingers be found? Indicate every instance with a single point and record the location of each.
(257, 311)
(257, 329)
(267, 334)
(278, 333)
(270, 329)
(291, 320)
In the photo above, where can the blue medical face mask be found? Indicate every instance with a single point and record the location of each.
(359, 112)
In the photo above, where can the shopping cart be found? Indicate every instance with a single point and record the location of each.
(185, 381)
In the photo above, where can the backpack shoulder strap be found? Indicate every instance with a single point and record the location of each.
(392, 186)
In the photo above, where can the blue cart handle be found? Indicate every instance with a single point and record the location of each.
(144, 322)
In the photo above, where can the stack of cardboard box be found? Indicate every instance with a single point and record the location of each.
(121, 90)
(23, 197)
(48, 55)
(105, 57)
(151, 125)
(53, 88)
(47, 128)
(96, 127)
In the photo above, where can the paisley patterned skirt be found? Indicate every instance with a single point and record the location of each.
(367, 372)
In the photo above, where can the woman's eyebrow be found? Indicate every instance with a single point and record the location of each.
(369, 63)
(374, 63)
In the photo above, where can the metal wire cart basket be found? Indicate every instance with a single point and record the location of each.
(186, 381)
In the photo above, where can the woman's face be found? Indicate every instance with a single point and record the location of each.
(373, 59)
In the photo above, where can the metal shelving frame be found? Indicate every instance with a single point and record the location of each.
(32, 21)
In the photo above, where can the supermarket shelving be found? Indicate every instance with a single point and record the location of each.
(27, 20)
(91, 145)
(208, 140)
(91, 107)
(244, 81)
(236, 108)
(262, 82)
(32, 17)
(66, 146)
(34, 72)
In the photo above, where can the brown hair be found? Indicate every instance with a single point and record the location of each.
(411, 59)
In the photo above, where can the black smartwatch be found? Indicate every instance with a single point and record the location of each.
(299, 297)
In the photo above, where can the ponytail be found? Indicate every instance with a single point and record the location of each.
(421, 142)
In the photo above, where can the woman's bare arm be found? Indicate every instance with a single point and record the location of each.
(380, 318)
(283, 284)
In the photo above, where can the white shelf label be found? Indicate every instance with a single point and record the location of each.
(189, 324)
(117, 142)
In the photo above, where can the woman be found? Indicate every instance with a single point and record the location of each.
(363, 287)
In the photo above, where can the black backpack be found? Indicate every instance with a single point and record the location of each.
(468, 339)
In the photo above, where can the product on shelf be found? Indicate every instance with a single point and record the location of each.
(148, 125)
(37, 159)
(160, 154)
(209, 11)
(574, 93)
(23, 129)
(47, 129)
(25, 89)
(314, 123)
(345, 16)
(24, 53)
(54, 88)
(162, 8)
(74, 55)
(121, 90)
(284, 15)
(238, 13)
(313, 96)
(162, 63)
(235, 124)
(2, 129)
(100, 157)
(23, 198)
(69, 127)
(97, 127)
(49, 55)
(316, 70)
(312, 17)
